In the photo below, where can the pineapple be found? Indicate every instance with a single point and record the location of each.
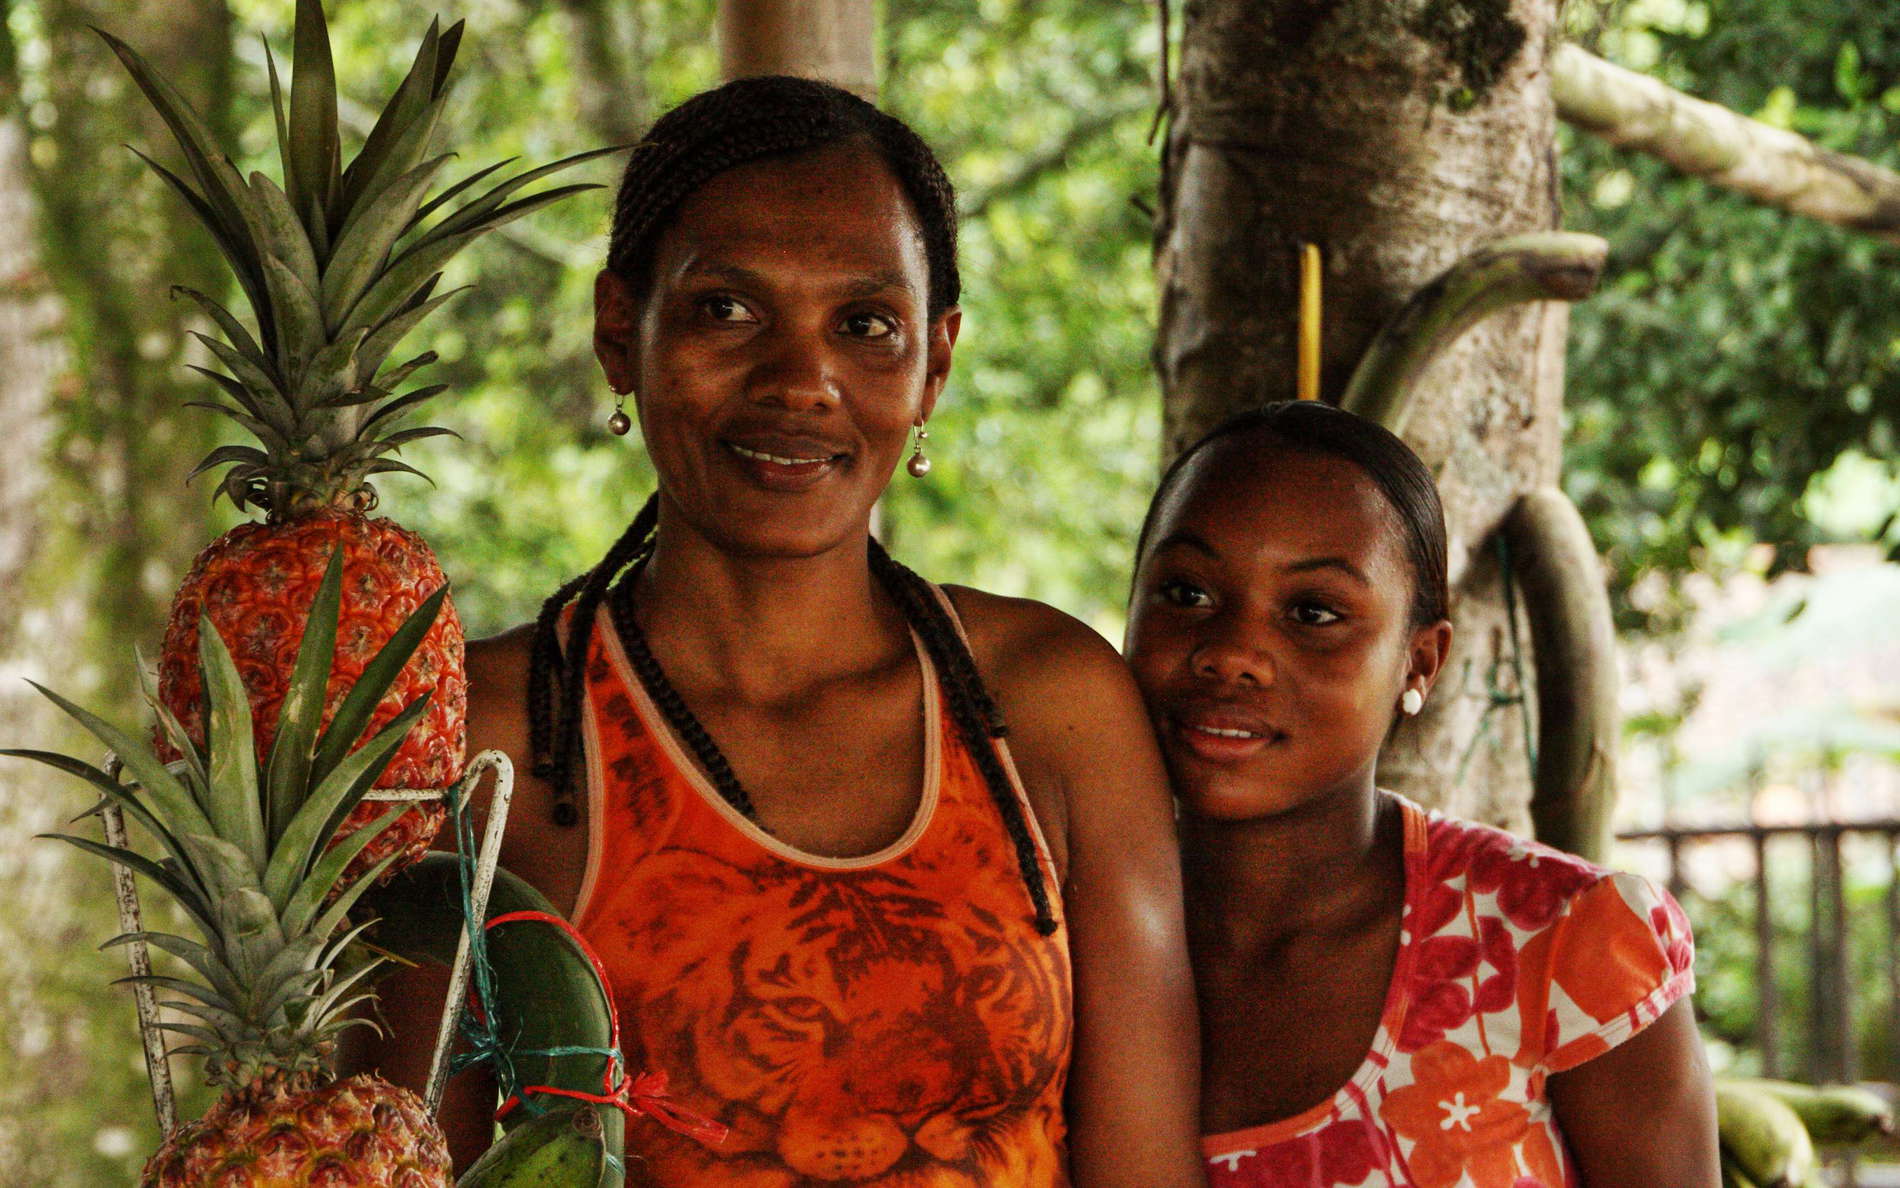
(246, 854)
(338, 266)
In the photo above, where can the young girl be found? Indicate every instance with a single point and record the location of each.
(1388, 995)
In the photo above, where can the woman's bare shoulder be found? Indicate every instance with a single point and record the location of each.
(1025, 648)
(548, 855)
(1058, 683)
(496, 657)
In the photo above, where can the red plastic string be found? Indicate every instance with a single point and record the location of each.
(631, 1095)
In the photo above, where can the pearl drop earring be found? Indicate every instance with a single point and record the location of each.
(620, 422)
(1411, 702)
(919, 466)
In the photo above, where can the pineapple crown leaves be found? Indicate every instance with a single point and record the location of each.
(245, 851)
(337, 263)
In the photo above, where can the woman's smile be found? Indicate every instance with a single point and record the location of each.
(781, 462)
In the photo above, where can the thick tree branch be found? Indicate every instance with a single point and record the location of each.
(1573, 644)
(1539, 266)
(1769, 164)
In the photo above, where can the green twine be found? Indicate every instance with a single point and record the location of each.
(478, 1028)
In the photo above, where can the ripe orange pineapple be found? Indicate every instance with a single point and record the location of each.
(295, 1129)
(253, 584)
(338, 265)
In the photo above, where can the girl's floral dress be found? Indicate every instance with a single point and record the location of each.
(1515, 962)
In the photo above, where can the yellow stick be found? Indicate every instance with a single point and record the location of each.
(1309, 322)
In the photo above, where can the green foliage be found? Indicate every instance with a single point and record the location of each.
(1047, 438)
(1734, 382)
(1736, 354)
(1045, 444)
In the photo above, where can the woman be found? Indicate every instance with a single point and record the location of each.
(764, 766)
(1388, 996)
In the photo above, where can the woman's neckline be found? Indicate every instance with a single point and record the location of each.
(639, 675)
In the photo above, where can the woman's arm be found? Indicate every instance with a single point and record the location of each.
(409, 1001)
(1083, 744)
(1642, 1113)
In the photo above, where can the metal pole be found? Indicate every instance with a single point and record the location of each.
(1676, 884)
(1823, 1033)
(1767, 998)
(488, 857)
(1893, 955)
(1845, 1057)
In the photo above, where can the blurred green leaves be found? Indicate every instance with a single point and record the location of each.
(1736, 354)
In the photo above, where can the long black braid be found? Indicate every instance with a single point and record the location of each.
(976, 715)
(744, 121)
(556, 676)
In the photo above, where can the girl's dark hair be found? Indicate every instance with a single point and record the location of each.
(740, 122)
(751, 119)
(1310, 427)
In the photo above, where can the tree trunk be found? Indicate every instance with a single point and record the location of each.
(96, 524)
(35, 881)
(1398, 136)
(30, 357)
(835, 40)
(609, 68)
(116, 240)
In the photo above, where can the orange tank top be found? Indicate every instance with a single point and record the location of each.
(892, 1021)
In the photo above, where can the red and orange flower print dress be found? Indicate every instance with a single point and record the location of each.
(888, 1021)
(1515, 962)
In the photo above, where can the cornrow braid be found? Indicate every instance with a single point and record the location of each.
(556, 678)
(752, 119)
(974, 712)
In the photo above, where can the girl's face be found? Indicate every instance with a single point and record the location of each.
(1270, 629)
(783, 351)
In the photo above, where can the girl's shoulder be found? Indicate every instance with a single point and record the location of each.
(1457, 850)
(1589, 954)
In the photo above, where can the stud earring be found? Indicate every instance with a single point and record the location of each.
(620, 422)
(1411, 702)
(919, 466)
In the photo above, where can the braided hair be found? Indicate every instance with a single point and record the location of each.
(741, 122)
(755, 119)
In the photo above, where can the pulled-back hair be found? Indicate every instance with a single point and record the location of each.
(752, 119)
(1311, 427)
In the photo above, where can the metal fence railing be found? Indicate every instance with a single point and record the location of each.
(1831, 1051)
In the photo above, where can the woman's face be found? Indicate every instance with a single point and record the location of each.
(783, 351)
(1270, 629)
